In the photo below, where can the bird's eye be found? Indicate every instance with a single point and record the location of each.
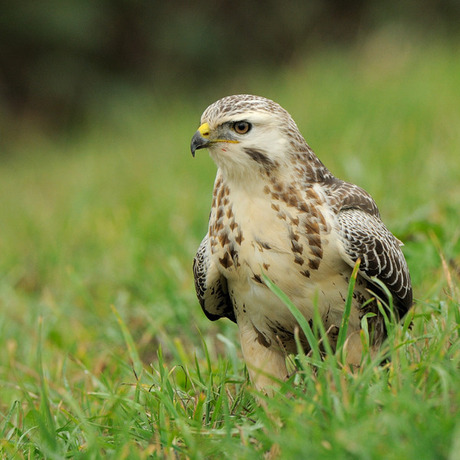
(241, 127)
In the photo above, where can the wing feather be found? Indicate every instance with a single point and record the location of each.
(364, 236)
(211, 286)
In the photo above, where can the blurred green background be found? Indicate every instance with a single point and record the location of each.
(102, 205)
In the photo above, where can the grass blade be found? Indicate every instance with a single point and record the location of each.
(303, 323)
(132, 350)
(347, 310)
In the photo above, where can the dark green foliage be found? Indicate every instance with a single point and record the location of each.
(58, 57)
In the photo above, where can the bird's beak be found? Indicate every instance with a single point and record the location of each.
(200, 139)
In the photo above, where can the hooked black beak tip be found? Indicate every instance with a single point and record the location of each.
(198, 142)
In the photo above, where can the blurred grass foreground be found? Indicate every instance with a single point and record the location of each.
(104, 350)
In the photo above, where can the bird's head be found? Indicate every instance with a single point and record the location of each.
(245, 134)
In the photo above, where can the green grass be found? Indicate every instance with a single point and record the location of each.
(104, 350)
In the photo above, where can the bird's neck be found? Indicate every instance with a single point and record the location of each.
(301, 168)
(309, 168)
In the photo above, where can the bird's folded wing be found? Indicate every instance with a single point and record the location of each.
(211, 286)
(364, 236)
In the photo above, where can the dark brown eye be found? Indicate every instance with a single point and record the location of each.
(241, 127)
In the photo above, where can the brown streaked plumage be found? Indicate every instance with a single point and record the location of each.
(276, 209)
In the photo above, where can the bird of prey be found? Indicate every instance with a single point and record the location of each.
(277, 210)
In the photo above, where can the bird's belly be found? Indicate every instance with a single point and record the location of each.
(253, 301)
(268, 315)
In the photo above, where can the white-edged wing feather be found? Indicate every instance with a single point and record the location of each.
(364, 236)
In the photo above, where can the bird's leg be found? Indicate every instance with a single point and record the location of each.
(266, 363)
(353, 349)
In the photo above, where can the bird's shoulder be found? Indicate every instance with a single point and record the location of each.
(342, 195)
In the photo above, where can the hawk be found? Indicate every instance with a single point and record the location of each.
(277, 210)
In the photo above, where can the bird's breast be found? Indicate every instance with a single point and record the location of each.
(276, 232)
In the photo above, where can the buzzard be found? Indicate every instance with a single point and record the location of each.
(277, 210)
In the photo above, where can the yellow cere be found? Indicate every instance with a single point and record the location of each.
(204, 130)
